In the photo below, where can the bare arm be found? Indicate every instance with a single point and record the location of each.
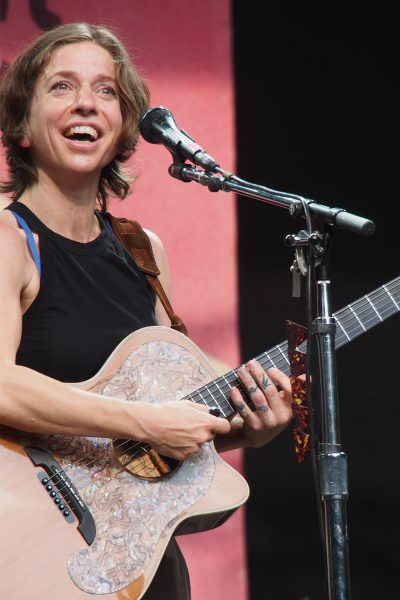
(33, 402)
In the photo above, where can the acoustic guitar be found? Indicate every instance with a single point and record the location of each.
(93, 516)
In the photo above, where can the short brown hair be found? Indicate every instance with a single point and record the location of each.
(16, 94)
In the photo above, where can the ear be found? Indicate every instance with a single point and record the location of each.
(24, 142)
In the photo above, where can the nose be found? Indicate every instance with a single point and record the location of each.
(85, 101)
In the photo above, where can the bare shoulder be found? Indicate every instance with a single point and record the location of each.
(18, 286)
(9, 232)
(162, 262)
(160, 254)
(156, 242)
(4, 201)
(14, 258)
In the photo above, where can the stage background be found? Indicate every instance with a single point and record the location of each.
(316, 104)
(317, 101)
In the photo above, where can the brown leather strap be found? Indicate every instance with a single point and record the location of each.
(136, 241)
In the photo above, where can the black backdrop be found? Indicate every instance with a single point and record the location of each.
(317, 104)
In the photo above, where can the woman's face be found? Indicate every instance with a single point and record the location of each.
(75, 120)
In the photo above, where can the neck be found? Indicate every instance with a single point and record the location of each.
(68, 209)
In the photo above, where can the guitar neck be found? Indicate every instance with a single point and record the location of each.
(352, 321)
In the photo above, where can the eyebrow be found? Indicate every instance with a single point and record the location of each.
(73, 74)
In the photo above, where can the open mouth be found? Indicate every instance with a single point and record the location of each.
(82, 133)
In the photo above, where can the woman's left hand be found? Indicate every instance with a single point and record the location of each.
(272, 407)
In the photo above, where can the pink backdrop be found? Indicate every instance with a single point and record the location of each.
(184, 52)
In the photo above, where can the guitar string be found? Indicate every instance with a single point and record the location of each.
(366, 301)
(140, 445)
(374, 296)
(224, 381)
(72, 471)
(68, 469)
(279, 361)
(389, 303)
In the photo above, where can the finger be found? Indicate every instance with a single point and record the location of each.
(220, 425)
(201, 407)
(243, 410)
(278, 402)
(215, 424)
(256, 383)
(282, 380)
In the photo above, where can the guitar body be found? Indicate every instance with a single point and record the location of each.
(43, 553)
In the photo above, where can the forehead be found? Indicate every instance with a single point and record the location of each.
(82, 58)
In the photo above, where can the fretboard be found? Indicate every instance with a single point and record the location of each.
(352, 321)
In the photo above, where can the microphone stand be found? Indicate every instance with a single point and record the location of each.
(331, 462)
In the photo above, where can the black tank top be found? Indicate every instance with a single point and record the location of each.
(92, 295)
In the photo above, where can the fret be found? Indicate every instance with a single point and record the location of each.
(227, 383)
(220, 396)
(205, 396)
(198, 393)
(232, 379)
(285, 366)
(230, 410)
(391, 297)
(355, 314)
(343, 329)
(373, 306)
(366, 314)
(241, 389)
(279, 358)
(385, 306)
(382, 301)
(212, 390)
(272, 364)
(223, 396)
(395, 291)
(283, 354)
(353, 323)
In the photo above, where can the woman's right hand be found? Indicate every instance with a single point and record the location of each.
(178, 429)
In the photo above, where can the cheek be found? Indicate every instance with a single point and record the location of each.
(118, 123)
(116, 116)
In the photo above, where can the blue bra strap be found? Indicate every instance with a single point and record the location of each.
(29, 236)
(106, 222)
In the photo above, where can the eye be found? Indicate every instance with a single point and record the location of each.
(108, 90)
(60, 86)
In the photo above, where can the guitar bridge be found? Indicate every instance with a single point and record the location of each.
(62, 491)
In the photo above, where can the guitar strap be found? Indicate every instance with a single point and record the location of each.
(136, 241)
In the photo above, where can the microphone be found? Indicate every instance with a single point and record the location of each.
(157, 126)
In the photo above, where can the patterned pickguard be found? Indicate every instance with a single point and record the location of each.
(132, 515)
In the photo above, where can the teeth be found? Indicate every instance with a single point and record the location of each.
(82, 129)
